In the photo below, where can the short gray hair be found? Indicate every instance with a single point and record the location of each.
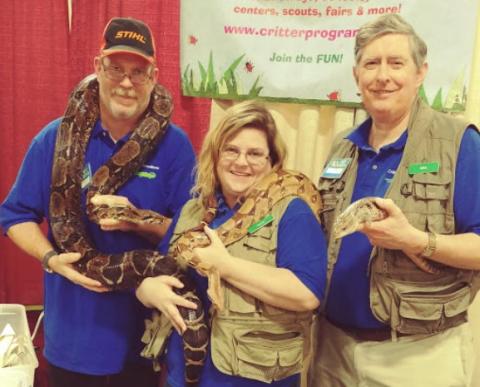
(390, 24)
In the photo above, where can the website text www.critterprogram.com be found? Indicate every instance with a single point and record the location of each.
(286, 32)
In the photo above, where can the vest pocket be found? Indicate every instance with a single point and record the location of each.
(435, 312)
(430, 196)
(418, 309)
(423, 308)
(260, 240)
(266, 356)
(259, 349)
(430, 186)
(459, 304)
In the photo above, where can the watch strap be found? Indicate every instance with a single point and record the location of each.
(431, 245)
(45, 260)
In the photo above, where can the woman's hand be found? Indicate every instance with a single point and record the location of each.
(157, 292)
(214, 255)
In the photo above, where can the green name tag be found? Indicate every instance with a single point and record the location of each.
(257, 226)
(147, 175)
(414, 169)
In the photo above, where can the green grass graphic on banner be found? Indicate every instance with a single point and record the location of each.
(226, 86)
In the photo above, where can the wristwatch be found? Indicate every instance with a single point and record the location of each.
(431, 245)
(45, 260)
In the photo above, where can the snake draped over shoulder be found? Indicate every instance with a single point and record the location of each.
(126, 270)
(255, 206)
(116, 271)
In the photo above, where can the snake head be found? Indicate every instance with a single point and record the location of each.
(362, 211)
(341, 228)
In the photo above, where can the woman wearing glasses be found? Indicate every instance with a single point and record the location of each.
(272, 278)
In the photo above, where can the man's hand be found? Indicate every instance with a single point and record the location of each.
(117, 225)
(63, 264)
(153, 232)
(110, 224)
(157, 292)
(395, 232)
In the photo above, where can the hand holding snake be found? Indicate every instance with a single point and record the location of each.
(385, 226)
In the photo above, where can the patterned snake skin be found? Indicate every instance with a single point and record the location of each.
(116, 271)
(255, 206)
(120, 271)
(366, 210)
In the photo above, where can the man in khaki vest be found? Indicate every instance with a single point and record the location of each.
(386, 321)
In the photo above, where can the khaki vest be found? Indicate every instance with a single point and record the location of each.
(401, 295)
(250, 338)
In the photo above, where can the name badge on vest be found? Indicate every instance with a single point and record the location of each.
(86, 176)
(261, 223)
(336, 168)
(414, 169)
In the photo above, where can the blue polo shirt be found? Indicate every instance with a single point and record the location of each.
(349, 299)
(301, 249)
(88, 332)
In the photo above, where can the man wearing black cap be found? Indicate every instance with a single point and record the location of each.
(92, 336)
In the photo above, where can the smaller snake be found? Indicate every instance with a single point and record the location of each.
(364, 211)
(117, 208)
(356, 215)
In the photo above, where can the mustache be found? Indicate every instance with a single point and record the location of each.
(124, 92)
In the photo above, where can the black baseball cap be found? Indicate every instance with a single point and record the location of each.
(130, 36)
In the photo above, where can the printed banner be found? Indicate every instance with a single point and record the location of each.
(302, 50)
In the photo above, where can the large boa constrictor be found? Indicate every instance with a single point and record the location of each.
(255, 206)
(66, 215)
(128, 269)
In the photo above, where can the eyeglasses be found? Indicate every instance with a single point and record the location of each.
(117, 74)
(255, 157)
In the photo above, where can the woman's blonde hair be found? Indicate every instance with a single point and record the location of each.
(247, 114)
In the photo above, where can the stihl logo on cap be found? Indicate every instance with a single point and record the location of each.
(130, 35)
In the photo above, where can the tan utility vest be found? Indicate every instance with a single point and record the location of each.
(250, 338)
(401, 295)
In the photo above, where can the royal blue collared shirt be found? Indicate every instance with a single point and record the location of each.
(349, 298)
(89, 332)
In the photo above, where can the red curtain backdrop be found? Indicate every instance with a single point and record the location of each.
(40, 62)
